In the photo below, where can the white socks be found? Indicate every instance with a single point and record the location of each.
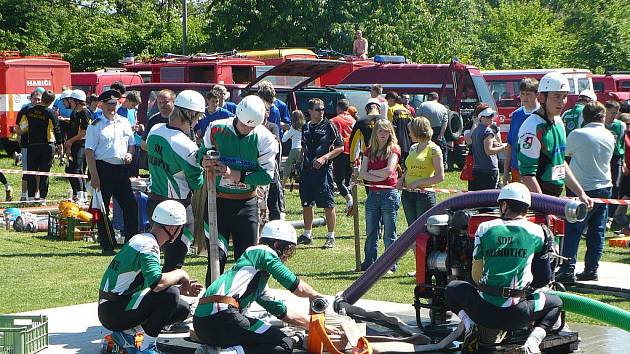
(468, 322)
(330, 235)
(532, 344)
(308, 233)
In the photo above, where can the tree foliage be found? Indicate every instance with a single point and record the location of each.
(491, 33)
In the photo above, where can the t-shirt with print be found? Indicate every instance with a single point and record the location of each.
(344, 123)
(22, 114)
(483, 161)
(317, 140)
(78, 121)
(516, 120)
(507, 248)
(380, 163)
(573, 118)
(42, 125)
(541, 146)
(135, 270)
(400, 118)
(247, 281)
(420, 163)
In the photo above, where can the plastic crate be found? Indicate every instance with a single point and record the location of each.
(71, 229)
(23, 334)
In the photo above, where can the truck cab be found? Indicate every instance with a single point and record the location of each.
(614, 85)
(19, 76)
(98, 81)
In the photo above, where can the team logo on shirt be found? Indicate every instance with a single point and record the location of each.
(527, 141)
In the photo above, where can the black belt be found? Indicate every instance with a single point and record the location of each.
(504, 292)
(106, 295)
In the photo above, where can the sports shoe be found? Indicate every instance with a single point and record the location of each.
(471, 340)
(304, 240)
(565, 278)
(330, 243)
(177, 327)
(125, 341)
(587, 275)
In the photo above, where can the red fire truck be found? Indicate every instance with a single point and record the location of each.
(19, 76)
(614, 85)
(504, 86)
(98, 81)
(217, 69)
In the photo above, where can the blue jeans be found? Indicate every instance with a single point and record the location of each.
(596, 222)
(380, 205)
(416, 203)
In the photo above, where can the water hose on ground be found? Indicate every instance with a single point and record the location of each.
(569, 209)
(594, 309)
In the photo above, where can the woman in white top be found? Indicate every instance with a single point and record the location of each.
(295, 134)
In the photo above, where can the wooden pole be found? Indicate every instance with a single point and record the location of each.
(213, 231)
(355, 217)
(198, 204)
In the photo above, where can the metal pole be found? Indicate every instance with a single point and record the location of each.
(213, 231)
(355, 217)
(185, 27)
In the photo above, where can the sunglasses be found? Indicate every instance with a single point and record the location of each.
(319, 109)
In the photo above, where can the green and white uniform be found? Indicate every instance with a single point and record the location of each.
(540, 151)
(174, 170)
(507, 248)
(253, 155)
(134, 271)
(573, 118)
(618, 129)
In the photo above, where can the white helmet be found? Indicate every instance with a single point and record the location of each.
(515, 191)
(279, 230)
(78, 95)
(251, 111)
(65, 94)
(554, 82)
(192, 100)
(590, 94)
(169, 212)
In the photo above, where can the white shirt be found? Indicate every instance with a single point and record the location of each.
(591, 149)
(295, 136)
(109, 139)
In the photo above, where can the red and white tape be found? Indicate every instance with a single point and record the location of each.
(36, 173)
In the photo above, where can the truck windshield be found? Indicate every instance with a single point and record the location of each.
(482, 91)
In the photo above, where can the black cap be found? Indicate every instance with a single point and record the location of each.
(108, 95)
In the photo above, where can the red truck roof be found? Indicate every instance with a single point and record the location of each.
(99, 81)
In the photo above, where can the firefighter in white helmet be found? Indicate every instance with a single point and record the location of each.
(219, 320)
(542, 140)
(246, 160)
(135, 296)
(173, 169)
(510, 264)
(74, 147)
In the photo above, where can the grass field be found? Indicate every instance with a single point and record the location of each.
(40, 272)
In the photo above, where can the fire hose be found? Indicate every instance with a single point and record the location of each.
(571, 210)
(594, 309)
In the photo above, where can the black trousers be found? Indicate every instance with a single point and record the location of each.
(616, 164)
(115, 182)
(40, 158)
(238, 219)
(483, 179)
(275, 200)
(230, 328)
(155, 311)
(77, 166)
(461, 295)
(342, 173)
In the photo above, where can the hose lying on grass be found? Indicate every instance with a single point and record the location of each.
(594, 309)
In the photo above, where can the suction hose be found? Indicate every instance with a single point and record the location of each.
(594, 309)
(569, 209)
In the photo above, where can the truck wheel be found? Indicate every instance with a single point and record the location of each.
(454, 127)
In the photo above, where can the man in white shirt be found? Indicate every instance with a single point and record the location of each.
(109, 148)
(590, 149)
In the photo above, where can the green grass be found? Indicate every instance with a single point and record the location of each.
(39, 272)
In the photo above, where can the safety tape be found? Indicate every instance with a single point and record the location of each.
(456, 191)
(37, 173)
(39, 201)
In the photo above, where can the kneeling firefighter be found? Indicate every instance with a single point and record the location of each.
(219, 319)
(510, 262)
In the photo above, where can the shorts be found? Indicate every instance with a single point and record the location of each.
(316, 187)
